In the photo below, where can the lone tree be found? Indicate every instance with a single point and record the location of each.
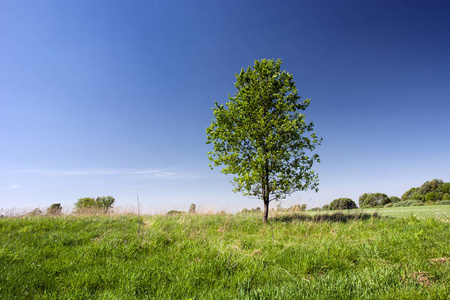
(262, 137)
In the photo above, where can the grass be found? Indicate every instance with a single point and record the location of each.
(441, 212)
(226, 257)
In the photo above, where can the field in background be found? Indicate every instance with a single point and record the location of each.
(296, 256)
(441, 212)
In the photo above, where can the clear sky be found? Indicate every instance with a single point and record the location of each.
(113, 97)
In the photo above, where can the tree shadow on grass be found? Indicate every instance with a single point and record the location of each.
(334, 217)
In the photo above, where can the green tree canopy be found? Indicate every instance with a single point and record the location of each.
(395, 199)
(342, 203)
(429, 191)
(262, 137)
(373, 199)
(54, 209)
(102, 204)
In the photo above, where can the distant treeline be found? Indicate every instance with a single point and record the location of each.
(431, 192)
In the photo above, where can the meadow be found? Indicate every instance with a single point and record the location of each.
(392, 253)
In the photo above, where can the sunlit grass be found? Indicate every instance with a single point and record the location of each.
(224, 256)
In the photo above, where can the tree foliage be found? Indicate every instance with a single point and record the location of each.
(373, 200)
(429, 191)
(100, 204)
(394, 199)
(54, 209)
(342, 203)
(261, 135)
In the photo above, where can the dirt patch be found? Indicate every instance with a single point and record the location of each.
(256, 252)
(422, 278)
(441, 260)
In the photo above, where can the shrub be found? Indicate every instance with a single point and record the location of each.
(431, 196)
(192, 209)
(91, 205)
(443, 202)
(326, 207)
(54, 209)
(174, 212)
(315, 209)
(342, 203)
(418, 204)
(406, 203)
(446, 197)
(253, 210)
(297, 208)
(394, 199)
(389, 205)
(35, 212)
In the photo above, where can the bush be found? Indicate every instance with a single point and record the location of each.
(406, 203)
(54, 209)
(442, 202)
(446, 197)
(174, 213)
(315, 209)
(326, 207)
(342, 203)
(297, 208)
(253, 210)
(389, 205)
(418, 204)
(192, 209)
(91, 205)
(35, 212)
(431, 196)
(394, 199)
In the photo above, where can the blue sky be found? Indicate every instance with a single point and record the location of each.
(113, 98)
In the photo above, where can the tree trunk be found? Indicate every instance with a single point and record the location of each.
(266, 211)
(266, 191)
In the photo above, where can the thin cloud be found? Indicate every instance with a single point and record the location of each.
(11, 187)
(110, 172)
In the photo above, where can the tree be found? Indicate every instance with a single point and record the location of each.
(407, 195)
(342, 203)
(435, 189)
(54, 209)
(84, 204)
(431, 197)
(105, 203)
(444, 188)
(430, 186)
(100, 204)
(394, 199)
(373, 200)
(261, 135)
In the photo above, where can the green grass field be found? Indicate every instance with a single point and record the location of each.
(403, 254)
(441, 212)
